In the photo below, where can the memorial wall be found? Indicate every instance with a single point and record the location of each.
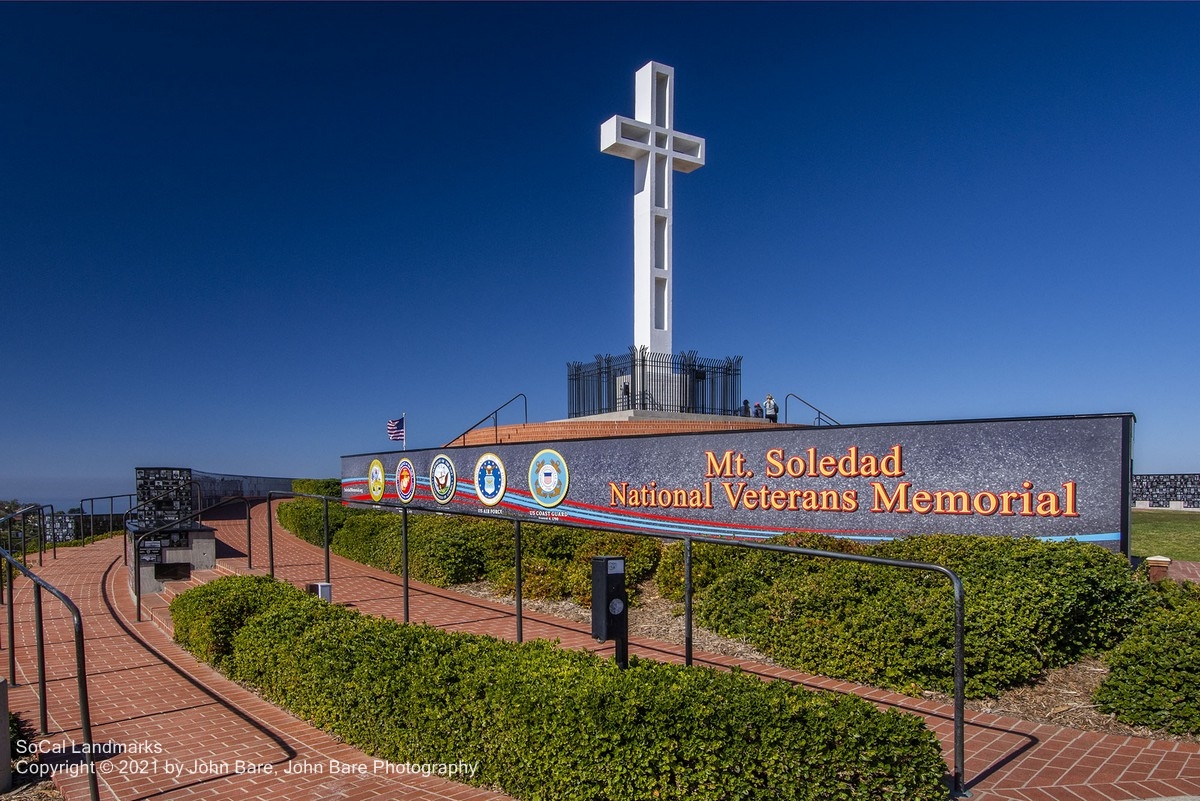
(1051, 477)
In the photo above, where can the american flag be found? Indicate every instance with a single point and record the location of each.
(395, 430)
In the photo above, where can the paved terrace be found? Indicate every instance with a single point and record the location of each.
(146, 689)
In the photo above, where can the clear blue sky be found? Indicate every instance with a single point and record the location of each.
(241, 237)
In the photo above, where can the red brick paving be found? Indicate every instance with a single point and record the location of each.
(145, 688)
(1184, 571)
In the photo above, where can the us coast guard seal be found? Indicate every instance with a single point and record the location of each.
(406, 480)
(548, 478)
(490, 481)
(443, 480)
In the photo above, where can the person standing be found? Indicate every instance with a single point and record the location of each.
(771, 408)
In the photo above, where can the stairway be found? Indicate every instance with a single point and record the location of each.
(156, 606)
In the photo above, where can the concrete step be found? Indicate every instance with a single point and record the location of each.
(156, 606)
(205, 576)
(180, 586)
(156, 609)
(173, 588)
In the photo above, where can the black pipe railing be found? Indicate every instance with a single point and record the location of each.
(42, 532)
(404, 557)
(959, 777)
(822, 419)
(24, 540)
(325, 499)
(517, 571)
(40, 585)
(494, 417)
(8, 546)
(129, 496)
(271, 495)
(39, 526)
(141, 536)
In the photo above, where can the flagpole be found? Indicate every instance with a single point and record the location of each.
(404, 426)
(395, 429)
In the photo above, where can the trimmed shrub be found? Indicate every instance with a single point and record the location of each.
(207, 617)
(1075, 597)
(1030, 605)
(709, 562)
(368, 537)
(445, 550)
(328, 487)
(442, 549)
(260, 650)
(543, 722)
(540, 578)
(1154, 675)
(305, 517)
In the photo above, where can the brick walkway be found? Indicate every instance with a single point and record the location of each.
(1184, 571)
(144, 688)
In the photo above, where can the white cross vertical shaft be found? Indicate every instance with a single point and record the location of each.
(657, 151)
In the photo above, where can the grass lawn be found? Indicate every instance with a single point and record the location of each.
(1163, 532)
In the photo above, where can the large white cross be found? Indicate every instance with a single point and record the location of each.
(657, 150)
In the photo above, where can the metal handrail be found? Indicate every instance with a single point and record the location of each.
(92, 512)
(40, 584)
(41, 529)
(42, 532)
(822, 418)
(959, 776)
(271, 527)
(141, 536)
(190, 484)
(495, 419)
(9, 535)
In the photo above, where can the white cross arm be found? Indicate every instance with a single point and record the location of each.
(631, 139)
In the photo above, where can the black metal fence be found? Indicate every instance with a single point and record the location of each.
(660, 382)
(12, 566)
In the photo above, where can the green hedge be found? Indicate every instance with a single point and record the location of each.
(548, 723)
(1030, 605)
(551, 569)
(207, 617)
(305, 517)
(445, 550)
(1154, 675)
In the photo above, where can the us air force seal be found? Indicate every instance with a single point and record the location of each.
(548, 478)
(376, 481)
(442, 479)
(490, 481)
(406, 480)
